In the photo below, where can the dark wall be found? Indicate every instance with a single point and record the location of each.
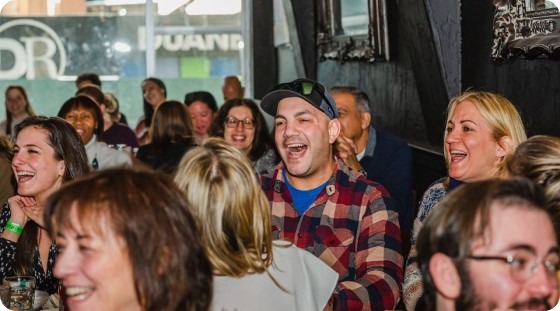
(264, 54)
(439, 48)
(532, 85)
(410, 92)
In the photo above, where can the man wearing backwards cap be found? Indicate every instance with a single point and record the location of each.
(322, 206)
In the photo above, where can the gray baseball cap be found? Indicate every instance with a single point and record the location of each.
(308, 90)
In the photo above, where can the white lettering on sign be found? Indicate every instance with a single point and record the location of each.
(30, 53)
(201, 42)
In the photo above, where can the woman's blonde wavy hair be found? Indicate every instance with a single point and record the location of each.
(233, 213)
(500, 114)
(538, 159)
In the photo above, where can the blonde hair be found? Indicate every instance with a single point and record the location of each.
(499, 113)
(538, 159)
(232, 211)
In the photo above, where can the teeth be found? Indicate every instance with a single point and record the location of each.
(25, 174)
(296, 146)
(77, 292)
(458, 152)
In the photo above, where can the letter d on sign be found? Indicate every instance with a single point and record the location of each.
(20, 65)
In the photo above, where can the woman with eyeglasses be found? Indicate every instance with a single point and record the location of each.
(241, 124)
(171, 137)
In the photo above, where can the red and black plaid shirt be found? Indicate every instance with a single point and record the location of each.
(353, 227)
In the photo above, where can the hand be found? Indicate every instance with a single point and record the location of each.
(28, 207)
(346, 150)
(17, 214)
(32, 210)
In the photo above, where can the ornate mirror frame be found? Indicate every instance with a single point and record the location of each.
(363, 47)
(526, 28)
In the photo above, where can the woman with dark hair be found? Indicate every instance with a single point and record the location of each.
(17, 109)
(170, 137)
(47, 153)
(241, 124)
(129, 242)
(86, 117)
(155, 93)
(202, 108)
(114, 133)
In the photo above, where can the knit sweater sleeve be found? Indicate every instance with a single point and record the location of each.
(412, 286)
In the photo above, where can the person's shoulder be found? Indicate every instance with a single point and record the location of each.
(435, 192)
(385, 138)
(438, 185)
(123, 128)
(104, 149)
(268, 177)
(147, 148)
(348, 180)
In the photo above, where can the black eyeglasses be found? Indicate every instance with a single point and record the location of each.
(523, 266)
(308, 88)
(232, 122)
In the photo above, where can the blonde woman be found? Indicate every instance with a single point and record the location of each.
(482, 130)
(251, 272)
(538, 158)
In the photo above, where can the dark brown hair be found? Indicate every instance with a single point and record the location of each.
(68, 147)
(84, 101)
(262, 141)
(170, 268)
(462, 217)
(171, 124)
(149, 109)
(89, 76)
(93, 92)
(28, 108)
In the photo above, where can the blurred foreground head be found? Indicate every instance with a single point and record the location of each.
(127, 238)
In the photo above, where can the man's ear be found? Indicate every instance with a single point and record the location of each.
(505, 146)
(445, 276)
(334, 130)
(365, 120)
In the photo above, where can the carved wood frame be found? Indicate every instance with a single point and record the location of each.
(368, 47)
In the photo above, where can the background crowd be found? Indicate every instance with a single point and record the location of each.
(296, 201)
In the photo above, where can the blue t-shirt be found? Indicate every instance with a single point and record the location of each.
(303, 198)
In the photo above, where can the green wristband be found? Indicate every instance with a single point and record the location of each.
(15, 228)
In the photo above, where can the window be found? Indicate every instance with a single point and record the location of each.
(44, 47)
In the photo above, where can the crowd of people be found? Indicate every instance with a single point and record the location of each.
(207, 206)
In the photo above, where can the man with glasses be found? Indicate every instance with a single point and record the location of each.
(490, 245)
(322, 206)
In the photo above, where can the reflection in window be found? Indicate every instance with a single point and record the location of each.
(46, 44)
(535, 5)
(354, 17)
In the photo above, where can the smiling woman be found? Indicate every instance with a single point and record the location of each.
(482, 130)
(17, 109)
(241, 124)
(47, 152)
(128, 252)
(86, 117)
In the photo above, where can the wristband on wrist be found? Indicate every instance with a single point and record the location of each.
(15, 228)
